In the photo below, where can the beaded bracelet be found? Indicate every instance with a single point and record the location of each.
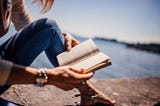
(42, 77)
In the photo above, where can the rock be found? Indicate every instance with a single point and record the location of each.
(126, 92)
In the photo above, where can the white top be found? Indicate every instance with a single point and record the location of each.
(20, 18)
(5, 68)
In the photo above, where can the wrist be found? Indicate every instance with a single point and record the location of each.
(51, 73)
(42, 77)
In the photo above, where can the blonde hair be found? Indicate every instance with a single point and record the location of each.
(46, 4)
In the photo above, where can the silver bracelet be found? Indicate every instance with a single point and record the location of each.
(42, 77)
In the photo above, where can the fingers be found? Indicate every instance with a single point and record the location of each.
(79, 77)
(70, 41)
(81, 71)
(67, 76)
(75, 42)
(75, 76)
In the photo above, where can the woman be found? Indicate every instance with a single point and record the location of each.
(43, 35)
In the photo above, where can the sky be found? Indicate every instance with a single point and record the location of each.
(125, 20)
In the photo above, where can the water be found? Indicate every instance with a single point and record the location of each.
(126, 62)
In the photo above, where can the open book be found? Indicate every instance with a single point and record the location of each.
(84, 56)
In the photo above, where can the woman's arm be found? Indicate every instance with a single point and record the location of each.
(22, 75)
(64, 77)
(19, 14)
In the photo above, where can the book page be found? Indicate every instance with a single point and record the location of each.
(93, 62)
(98, 66)
(77, 53)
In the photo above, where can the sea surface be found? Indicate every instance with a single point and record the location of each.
(126, 62)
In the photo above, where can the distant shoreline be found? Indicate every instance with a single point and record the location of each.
(150, 47)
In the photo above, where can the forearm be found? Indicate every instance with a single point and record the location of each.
(22, 75)
(64, 77)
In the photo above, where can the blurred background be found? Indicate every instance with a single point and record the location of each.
(128, 31)
(125, 20)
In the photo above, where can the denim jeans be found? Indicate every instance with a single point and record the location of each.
(7, 103)
(41, 35)
(28, 43)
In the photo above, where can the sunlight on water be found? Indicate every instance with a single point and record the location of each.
(126, 62)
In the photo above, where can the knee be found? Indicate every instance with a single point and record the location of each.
(49, 23)
(45, 27)
(44, 24)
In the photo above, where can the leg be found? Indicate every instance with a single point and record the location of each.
(7, 103)
(41, 35)
(91, 96)
(27, 44)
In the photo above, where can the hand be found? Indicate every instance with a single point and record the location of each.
(70, 41)
(66, 77)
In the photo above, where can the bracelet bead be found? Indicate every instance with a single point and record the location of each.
(42, 77)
